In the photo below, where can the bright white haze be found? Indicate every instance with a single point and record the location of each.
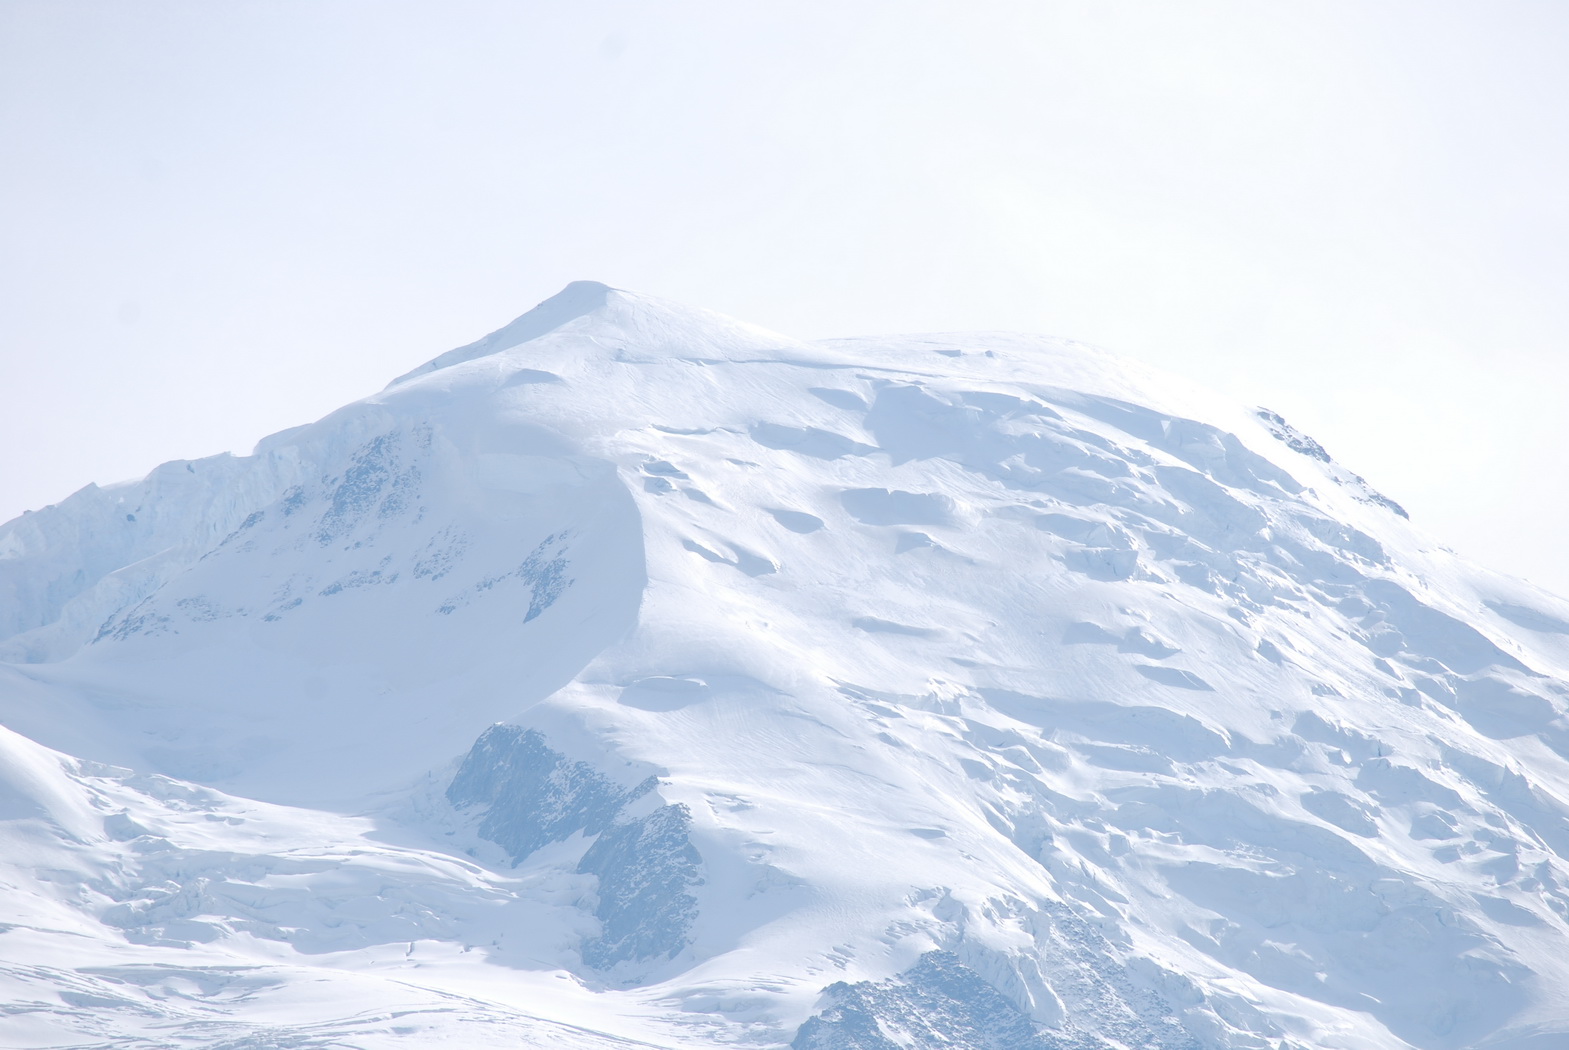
(220, 220)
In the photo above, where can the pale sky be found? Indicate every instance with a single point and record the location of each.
(218, 220)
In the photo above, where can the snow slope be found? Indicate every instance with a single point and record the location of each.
(634, 676)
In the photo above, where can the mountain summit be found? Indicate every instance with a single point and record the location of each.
(638, 677)
(573, 301)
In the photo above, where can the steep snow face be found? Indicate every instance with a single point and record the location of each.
(975, 691)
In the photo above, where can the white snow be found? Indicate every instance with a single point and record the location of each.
(1168, 727)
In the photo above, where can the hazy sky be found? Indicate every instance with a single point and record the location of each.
(218, 220)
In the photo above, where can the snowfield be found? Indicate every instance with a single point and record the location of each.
(635, 677)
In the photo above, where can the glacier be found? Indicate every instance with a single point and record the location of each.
(637, 677)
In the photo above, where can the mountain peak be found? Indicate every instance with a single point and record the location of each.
(575, 300)
(656, 673)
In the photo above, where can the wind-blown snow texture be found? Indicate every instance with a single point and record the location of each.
(636, 677)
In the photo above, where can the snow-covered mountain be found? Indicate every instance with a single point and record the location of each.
(638, 677)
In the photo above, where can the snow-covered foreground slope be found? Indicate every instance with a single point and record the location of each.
(638, 677)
